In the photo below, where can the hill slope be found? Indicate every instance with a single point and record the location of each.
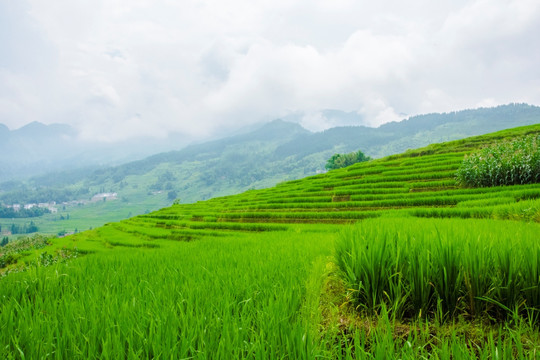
(417, 183)
(254, 275)
(278, 151)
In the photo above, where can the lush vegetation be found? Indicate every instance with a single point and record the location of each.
(509, 162)
(279, 151)
(11, 252)
(21, 194)
(338, 161)
(23, 229)
(11, 213)
(442, 270)
(280, 273)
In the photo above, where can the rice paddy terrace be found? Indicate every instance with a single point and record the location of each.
(271, 274)
(418, 183)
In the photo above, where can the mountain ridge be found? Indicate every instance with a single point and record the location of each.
(281, 150)
(269, 154)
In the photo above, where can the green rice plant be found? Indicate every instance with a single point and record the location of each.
(508, 283)
(306, 199)
(528, 210)
(353, 192)
(463, 213)
(428, 169)
(477, 276)
(448, 174)
(442, 269)
(418, 275)
(234, 297)
(238, 227)
(362, 171)
(300, 216)
(504, 163)
(447, 275)
(432, 184)
(369, 269)
(527, 194)
(487, 202)
(531, 291)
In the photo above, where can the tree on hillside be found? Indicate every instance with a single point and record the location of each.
(32, 228)
(338, 161)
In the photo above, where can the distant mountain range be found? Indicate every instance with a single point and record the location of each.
(258, 158)
(37, 148)
(417, 131)
(276, 151)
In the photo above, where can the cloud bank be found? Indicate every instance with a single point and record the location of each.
(121, 68)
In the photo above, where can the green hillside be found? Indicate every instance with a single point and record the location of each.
(417, 183)
(384, 259)
(260, 158)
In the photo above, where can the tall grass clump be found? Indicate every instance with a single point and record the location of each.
(442, 269)
(505, 163)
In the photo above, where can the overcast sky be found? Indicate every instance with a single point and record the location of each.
(119, 68)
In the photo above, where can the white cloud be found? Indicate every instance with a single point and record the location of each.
(123, 68)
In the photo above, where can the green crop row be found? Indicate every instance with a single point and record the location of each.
(527, 210)
(346, 215)
(463, 194)
(432, 184)
(370, 191)
(221, 299)
(433, 200)
(428, 169)
(238, 226)
(485, 202)
(443, 269)
(504, 163)
(310, 199)
(360, 185)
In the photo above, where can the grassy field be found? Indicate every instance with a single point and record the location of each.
(136, 196)
(385, 259)
(76, 218)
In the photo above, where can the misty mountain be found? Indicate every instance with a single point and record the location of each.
(417, 131)
(37, 148)
(198, 171)
(256, 158)
(287, 145)
(219, 167)
(275, 152)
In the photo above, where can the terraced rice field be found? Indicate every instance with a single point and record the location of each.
(320, 267)
(419, 183)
